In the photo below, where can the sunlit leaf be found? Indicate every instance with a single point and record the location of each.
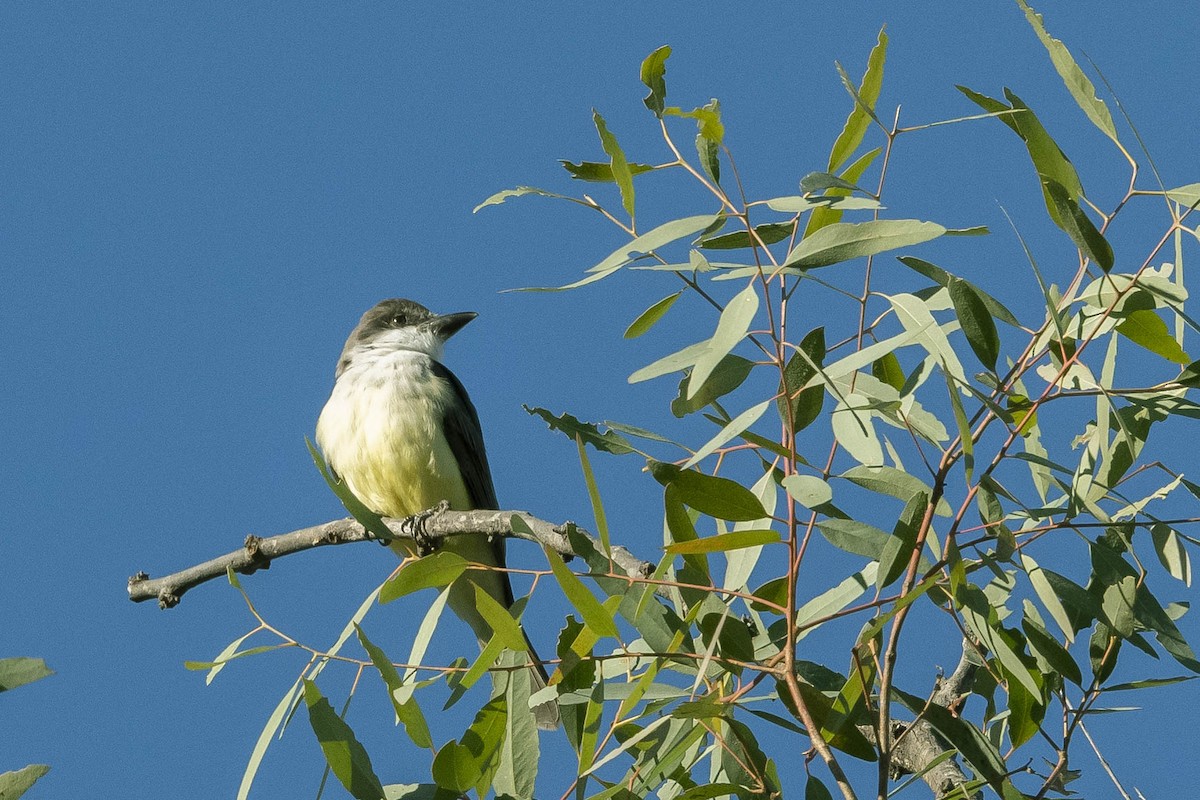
(724, 542)
(709, 494)
(347, 758)
(598, 172)
(731, 329)
(735, 427)
(1172, 553)
(651, 315)
(854, 430)
(621, 172)
(808, 490)
(843, 241)
(859, 120)
(19, 671)
(654, 67)
(434, 570)
(407, 711)
(1077, 83)
(16, 783)
(1147, 328)
(594, 615)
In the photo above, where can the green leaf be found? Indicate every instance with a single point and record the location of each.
(1172, 553)
(798, 407)
(651, 315)
(522, 191)
(1048, 159)
(731, 329)
(347, 759)
(1146, 328)
(854, 536)
(898, 550)
(1078, 225)
(1049, 648)
(730, 372)
(471, 762)
(16, 783)
(894, 483)
(19, 671)
(815, 790)
(655, 238)
(654, 67)
(819, 182)
(834, 600)
(608, 441)
(518, 763)
(679, 360)
(735, 427)
(843, 241)
(434, 570)
(503, 626)
(854, 430)
(943, 278)
(976, 322)
(737, 540)
(597, 172)
(594, 615)
(622, 174)
(1076, 82)
(709, 494)
(768, 233)
(846, 738)
(407, 711)
(829, 208)
(887, 369)
(868, 93)
(993, 636)
(1044, 588)
(1150, 613)
(807, 490)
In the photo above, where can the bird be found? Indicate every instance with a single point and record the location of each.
(400, 431)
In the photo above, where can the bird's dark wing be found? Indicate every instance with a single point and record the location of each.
(465, 437)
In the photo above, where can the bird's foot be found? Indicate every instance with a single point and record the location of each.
(426, 544)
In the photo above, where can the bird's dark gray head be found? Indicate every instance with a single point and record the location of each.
(398, 324)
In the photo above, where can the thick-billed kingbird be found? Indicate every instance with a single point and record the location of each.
(401, 433)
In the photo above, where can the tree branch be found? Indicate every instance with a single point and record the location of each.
(258, 553)
(915, 745)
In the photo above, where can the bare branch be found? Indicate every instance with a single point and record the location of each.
(916, 745)
(258, 553)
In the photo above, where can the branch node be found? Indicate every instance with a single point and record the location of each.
(258, 559)
(167, 599)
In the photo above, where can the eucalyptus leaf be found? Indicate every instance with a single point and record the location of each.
(843, 241)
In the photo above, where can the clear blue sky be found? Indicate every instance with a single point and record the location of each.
(198, 200)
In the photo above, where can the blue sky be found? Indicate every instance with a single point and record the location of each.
(197, 201)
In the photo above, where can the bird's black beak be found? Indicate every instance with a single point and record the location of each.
(447, 325)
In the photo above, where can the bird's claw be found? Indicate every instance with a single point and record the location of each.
(426, 544)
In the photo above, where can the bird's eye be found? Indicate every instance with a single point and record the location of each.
(399, 320)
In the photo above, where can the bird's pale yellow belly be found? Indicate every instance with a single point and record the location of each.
(381, 431)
